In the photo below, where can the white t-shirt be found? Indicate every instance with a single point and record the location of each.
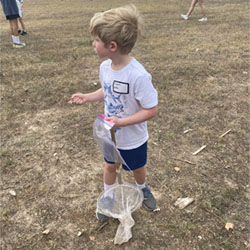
(127, 91)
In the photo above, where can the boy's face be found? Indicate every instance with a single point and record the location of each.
(100, 49)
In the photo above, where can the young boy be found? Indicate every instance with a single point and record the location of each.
(11, 12)
(129, 96)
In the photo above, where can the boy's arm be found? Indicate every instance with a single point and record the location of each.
(80, 98)
(140, 116)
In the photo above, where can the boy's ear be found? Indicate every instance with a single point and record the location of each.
(113, 45)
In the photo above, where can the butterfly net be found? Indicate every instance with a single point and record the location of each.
(126, 197)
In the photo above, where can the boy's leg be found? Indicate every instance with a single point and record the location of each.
(140, 175)
(149, 199)
(109, 177)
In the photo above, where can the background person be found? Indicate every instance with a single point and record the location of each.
(191, 8)
(11, 12)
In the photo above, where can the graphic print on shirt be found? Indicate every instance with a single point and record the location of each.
(112, 99)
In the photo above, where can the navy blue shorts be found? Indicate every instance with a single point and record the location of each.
(11, 17)
(134, 158)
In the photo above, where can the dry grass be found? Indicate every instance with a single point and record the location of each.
(48, 156)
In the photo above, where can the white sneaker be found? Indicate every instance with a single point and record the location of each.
(185, 17)
(18, 45)
(203, 19)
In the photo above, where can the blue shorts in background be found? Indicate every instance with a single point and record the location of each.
(134, 158)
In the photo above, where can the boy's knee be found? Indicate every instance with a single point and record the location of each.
(139, 171)
(110, 168)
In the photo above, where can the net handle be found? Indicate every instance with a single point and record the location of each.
(116, 164)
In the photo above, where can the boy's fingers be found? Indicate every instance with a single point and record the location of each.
(76, 99)
(73, 99)
(108, 118)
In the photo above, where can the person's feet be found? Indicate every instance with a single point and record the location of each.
(149, 200)
(185, 17)
(19, 45)
(203, 19)
(101, 217)
(104, 203)
(23, 33)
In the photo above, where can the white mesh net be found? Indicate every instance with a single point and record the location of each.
(126, 198)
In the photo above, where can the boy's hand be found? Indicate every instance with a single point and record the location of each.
(79, 98)
(115, 120)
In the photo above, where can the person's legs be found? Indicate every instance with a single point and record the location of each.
(193, 3)
(13, 27)
(14, 33)
(23, 26)
(202, 8)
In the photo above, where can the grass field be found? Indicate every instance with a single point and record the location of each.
(49, 157)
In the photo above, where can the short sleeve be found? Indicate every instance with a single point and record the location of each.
(144, 91)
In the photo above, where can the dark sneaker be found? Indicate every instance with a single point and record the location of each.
(19, 31)
(18, 45)
(23, 33)
(149, 200)
(104, 203)
(101, 217)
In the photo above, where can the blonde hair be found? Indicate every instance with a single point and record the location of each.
(122, 25)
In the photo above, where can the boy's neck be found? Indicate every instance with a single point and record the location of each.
(120, 61)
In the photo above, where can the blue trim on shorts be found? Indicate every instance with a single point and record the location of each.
(134, 158)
